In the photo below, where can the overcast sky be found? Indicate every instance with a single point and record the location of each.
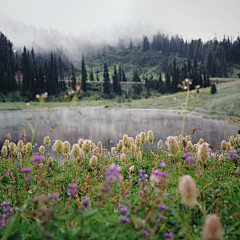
(188, 18)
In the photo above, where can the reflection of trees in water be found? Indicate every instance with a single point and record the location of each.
(105, 125)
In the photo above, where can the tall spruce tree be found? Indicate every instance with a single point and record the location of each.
(73, 78)
(106, 84)
(84, 76)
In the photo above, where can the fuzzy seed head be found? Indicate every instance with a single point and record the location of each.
(42, 149)
(150, 136)
(125, 150)
(6, 143)
(59, 147)
(80, 142)
(113, 151)
(99, 145)
(75, 150)
(80, 157)
(139, 156)
(120, 145)
(29, 146)
(232, 140)
(47, 141)
(25, 149)
(123, 158)
(86, 146)
(138, 140)
(4, 151)
(184, 144)
(125, 140)
(201, 141)
(66, 147)
(131, 169)
(188, 190)
(203, 153)
(190, 146)
(212, 228)
(188, 137)
(223, 145)
(228, 148)
(143, 137)
(12, 148)
(154, 180)
(20, 145)
(159, 146)
(221, 158)
(172, 145)
(137, 149)
(93, 162)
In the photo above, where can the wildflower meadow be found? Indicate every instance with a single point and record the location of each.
(131, 191)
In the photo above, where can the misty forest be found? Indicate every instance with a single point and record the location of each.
(120, 141)
(158, 64)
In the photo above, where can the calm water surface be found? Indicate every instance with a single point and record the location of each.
(99, 124)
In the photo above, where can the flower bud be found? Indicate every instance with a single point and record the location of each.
(203, 153)
(47, 141)
(42, 149)
(150, 136)
(93, 162)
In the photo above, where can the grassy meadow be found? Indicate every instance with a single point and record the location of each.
(89, 192)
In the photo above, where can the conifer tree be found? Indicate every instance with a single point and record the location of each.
(84, 76)
(73, 78)
(106, 84)
(146, 45)
(115, 80)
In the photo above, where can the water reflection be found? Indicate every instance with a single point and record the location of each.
(99, 124)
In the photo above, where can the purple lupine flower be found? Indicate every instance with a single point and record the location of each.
(124, 219)
(37, 158)
(123, 210)
(72, 189)
(146, 233)
(7, 210)
(233, 154)
(5, 204)
(190, 159)
(163, 207)
(168, 236)
(142, 177)
(55, 196)
(3, 223)
(26, 170)
(18, 165)
(162, 165)
(160, 216)
(85, 202)
(113, 174)
(26, 179)
(186, 155)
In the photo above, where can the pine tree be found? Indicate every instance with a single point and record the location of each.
(84, 76)
(160, 84)
(146, 45)
(167, 82)
(73, 78)
(115, 80)
(91, 75)
(106, 84)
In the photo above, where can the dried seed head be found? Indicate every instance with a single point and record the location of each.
(184, 144)
(138, 140)
(125, 140)
(139, 156)
(80, 142)
(99, 145)
(232, 140)
(159, 144)
(172, 145)
(20, 145)
(6, 143)
(143, 137)
(41, 149)
(150, 136)
(201, 141)
(58, 147)
(188, 190)
(123, 158)
(120, 145)
(47, 141)
(25, 149)
(212, 228)
(93, 162)
(4, 151)
(223, 145)
(137, 148)
(154, 180)
(228, 148)
(131, 169)
(133, 148)
(188, 137)
(190, 146)
(203, 153)
(66, 147)
(12, 148)
(113, 151)
(80, 157)
(86, 146)
(75, 150)
(221, 158)
(124, 150)
(29, 146)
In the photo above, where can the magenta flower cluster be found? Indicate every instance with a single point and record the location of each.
(233, 154)
(163, 207)
(85, 202)
(26, 170)
(37, 158)
(168, 236)
(159, 173)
